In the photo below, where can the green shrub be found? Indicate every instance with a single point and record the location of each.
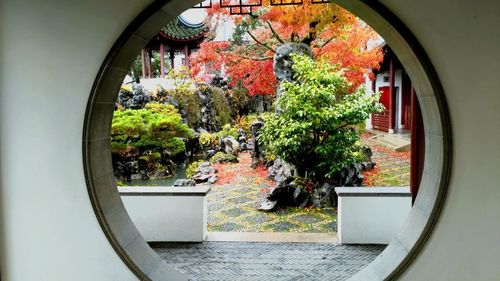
(221, 105)
(222, 157)
(269, 156)
(191, 168)
(151, 157)
(208, 141)
(239, 101)
(188, 100)
(245, 122)
(316, 129)
(227, 131)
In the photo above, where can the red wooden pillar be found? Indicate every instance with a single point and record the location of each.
(374, 88)
(402, 91)
(186, 56)
(150, 71)
(143, 63)
(162, 60)
(417, 145)
(392, 96)
(172, 57)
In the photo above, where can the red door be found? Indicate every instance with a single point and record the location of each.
(381, 121)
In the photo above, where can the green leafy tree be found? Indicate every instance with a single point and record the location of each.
(316, 131)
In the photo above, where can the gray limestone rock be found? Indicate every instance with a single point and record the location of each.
(213, 179)
(210, 153)
(324, 196)
(244, 146)
(281, 170)
(184, 182)
(257, 151)
(230, 145)
(267, 205)
(204, 173)
(283, 61)
(135, 99)
(286, 193)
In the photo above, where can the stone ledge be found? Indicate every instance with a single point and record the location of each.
(164, 191)
(373, 191)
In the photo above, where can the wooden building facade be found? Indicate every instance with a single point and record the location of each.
(178, 36)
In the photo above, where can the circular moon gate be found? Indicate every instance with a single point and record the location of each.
(113, 217)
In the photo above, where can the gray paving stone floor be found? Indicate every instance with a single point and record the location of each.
(247, 261)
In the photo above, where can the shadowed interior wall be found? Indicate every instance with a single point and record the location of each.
(50, 53)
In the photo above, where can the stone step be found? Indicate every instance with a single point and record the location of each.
(393, 141)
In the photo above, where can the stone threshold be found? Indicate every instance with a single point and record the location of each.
(276, 237)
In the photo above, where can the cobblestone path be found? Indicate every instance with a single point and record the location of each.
(236, 261)
(233, 200)
(392, 169)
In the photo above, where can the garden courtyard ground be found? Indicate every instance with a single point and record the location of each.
(233, 200)
(232, 210)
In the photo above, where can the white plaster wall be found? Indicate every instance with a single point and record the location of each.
(152, 84)
(50, 52)
(178, 60)
(462, 38)
(369, 91)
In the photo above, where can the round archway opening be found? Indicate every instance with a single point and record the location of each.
(113, 217)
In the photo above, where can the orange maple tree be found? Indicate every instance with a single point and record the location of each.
(333, 33)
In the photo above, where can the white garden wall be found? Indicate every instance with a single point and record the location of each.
(168, 214)
(371, 215)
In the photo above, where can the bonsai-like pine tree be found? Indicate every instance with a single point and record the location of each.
(149, 132)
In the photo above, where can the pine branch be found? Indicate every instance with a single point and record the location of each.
(260, 43)
(324, 44)
(327, 41)
(275, 34)
(253, 58)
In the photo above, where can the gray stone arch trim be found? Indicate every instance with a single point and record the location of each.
(123, 235)
(438, 141)
(108, 207)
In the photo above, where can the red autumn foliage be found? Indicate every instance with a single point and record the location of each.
(333, 33)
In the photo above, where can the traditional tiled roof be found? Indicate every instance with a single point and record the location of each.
(180, 30)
